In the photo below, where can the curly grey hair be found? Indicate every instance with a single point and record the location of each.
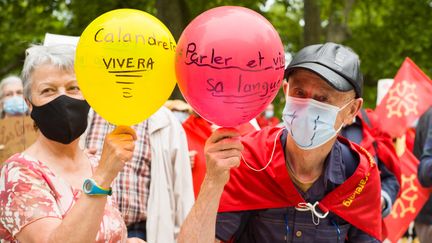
(62, 56)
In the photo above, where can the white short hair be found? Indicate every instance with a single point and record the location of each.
(12, 79)
(62, 56)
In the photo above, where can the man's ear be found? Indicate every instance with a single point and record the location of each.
(285, 87)
(353, 110)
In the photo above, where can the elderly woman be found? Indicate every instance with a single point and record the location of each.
(11, 97)
(41, 199)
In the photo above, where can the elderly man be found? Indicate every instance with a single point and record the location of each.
(300, 183)
(11, 97)
(423, 152)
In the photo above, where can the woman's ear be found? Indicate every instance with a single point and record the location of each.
(29, 104)
(285, 87)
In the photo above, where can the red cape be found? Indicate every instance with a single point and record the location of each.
(357, 200)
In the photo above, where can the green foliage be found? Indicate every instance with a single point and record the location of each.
(23, 22)
(385, 33)
(382, 32)
(285, 18)
(84, 12)
(198, 6)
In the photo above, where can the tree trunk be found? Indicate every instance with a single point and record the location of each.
(312, 18)
(337, 29)
(175, 15)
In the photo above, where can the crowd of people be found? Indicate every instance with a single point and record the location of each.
(175, 177)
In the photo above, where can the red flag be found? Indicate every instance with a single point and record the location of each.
(408, 205)
(407, 99)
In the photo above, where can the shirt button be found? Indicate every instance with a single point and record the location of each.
(298, 233)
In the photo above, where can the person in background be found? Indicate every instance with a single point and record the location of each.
(423, 152)
(198, 130)
(300, 183)
(380, 146)
(267, 118)
(154, 190)
(179, 108)
(52, 191)
(11, 97)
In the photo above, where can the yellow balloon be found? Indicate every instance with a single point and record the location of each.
(124, 65)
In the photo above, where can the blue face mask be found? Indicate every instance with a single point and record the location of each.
(309, 122)
(15, 105)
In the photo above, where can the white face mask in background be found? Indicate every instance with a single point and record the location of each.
(181, 115)
(309, 122)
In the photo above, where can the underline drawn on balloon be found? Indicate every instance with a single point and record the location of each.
(228, 67)
(244, 102)
(128, 75)
(127, 71)
(247, 107)
(233, 96)
(250, 107)
(124, 82)
(126, 93)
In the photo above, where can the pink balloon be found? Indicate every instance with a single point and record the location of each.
(229, 64)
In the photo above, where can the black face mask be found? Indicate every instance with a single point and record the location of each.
(63, 119)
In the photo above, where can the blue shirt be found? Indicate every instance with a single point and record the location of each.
(290, 225)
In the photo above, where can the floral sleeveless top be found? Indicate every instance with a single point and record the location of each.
(30, 191)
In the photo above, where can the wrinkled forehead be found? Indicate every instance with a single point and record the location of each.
(305, 79)
(49, 71)
(12, 87)
(314, 85)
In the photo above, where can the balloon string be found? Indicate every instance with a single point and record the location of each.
(271, 157)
